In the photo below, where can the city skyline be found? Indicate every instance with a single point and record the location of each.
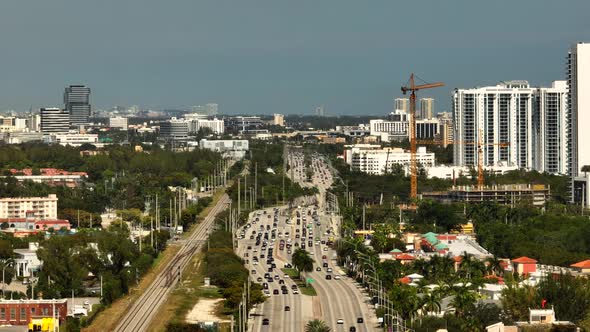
(251, 62)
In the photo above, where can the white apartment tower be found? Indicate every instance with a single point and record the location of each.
(578, 112)
(518, 125)
(492, 115)
(549, 132)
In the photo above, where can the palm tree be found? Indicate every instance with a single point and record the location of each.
(494, 265)
(431, 302)
(463, 300)
(302, 261)
(317, 325)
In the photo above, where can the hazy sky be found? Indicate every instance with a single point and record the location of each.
(277, 56)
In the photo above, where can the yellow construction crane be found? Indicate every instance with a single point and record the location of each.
(412, 88)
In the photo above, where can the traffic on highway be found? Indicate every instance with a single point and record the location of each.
(267, 243)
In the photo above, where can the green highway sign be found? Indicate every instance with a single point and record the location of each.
(309, 280)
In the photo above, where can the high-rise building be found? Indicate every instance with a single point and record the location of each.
(320, 111)
(278, 120)
(426, 108)
(445, 120)
(510, 122)
(549, 129)
(393, 129)
(54, 120)
(77, 103)
(578, 113)
(216, 126)
(402, 104)
(211, 109)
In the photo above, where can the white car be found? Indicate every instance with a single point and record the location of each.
(337, 277)
(340, 321)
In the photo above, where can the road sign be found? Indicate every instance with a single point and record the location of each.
(309, 280)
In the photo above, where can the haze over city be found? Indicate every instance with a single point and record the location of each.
(264, 57)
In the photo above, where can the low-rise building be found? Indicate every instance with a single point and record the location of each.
(23, 207)
(118, 122)
(21, 312)
(22, 227)
(372, 159)
(72, 139)
(50, 176)
(235, 149)
(26, 261)
(524, 265)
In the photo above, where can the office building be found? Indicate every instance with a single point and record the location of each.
(216, 126)
(54, 120)
(427, 129)
(549, 131)
(372, 159)
(393, 129)
(500, 114)
(118, 122)
(536, 194)
(426, 108)
(402, 104)
(174, 130)
(34, 122)
(46, 314)
(23, 207)
(244, 123)
(446, 132)
(278, 120)
(71, 139)
(77, 103)
(211, 109)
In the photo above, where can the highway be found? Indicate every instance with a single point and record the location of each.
(141, 313)
(339, 298)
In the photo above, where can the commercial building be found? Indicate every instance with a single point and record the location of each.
(244, 123)
(71, 139)
(77, 103)
(23, 207)
(427, 129)
(426, 108)
(235, 149)
(372, 159)
(278, 120)
(446, 132)
(21, 312)
(510, 121)
(535, 194)
(578, 118)
(118, 122)
(216, 126)
(174, 130)
(393, 129)
(54, 120)
(26, 261)
(23, 227)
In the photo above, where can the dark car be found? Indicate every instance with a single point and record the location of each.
(328, 277)
(352, 329)
(360, 320)
(318, 268)
(287, 308)
(265, 321)
(275, 292)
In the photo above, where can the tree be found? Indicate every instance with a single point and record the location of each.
(302, 261)
(431, 302)
(585, 169)
(317, 325)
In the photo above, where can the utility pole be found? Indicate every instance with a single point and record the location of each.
(255, 182)
(239, 205)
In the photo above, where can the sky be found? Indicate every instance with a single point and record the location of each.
(276, 56)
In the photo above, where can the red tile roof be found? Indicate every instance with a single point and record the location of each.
(405, 257)
(582, 265)
(405, 280)
(457, 259)
(524, 260)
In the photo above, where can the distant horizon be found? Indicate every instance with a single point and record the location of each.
(277, 57)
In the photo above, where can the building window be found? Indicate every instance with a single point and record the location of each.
(23, 314)
(2, 314)
(45, 311)
(12, 313)
(32, 311)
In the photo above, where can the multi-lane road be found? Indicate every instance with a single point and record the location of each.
(141, 313)
(272, 235)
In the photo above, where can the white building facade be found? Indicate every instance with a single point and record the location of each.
(372, 159)
(505, 119)
(118, 122)
(216, 126)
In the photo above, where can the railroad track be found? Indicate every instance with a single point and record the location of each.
(139, 316)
